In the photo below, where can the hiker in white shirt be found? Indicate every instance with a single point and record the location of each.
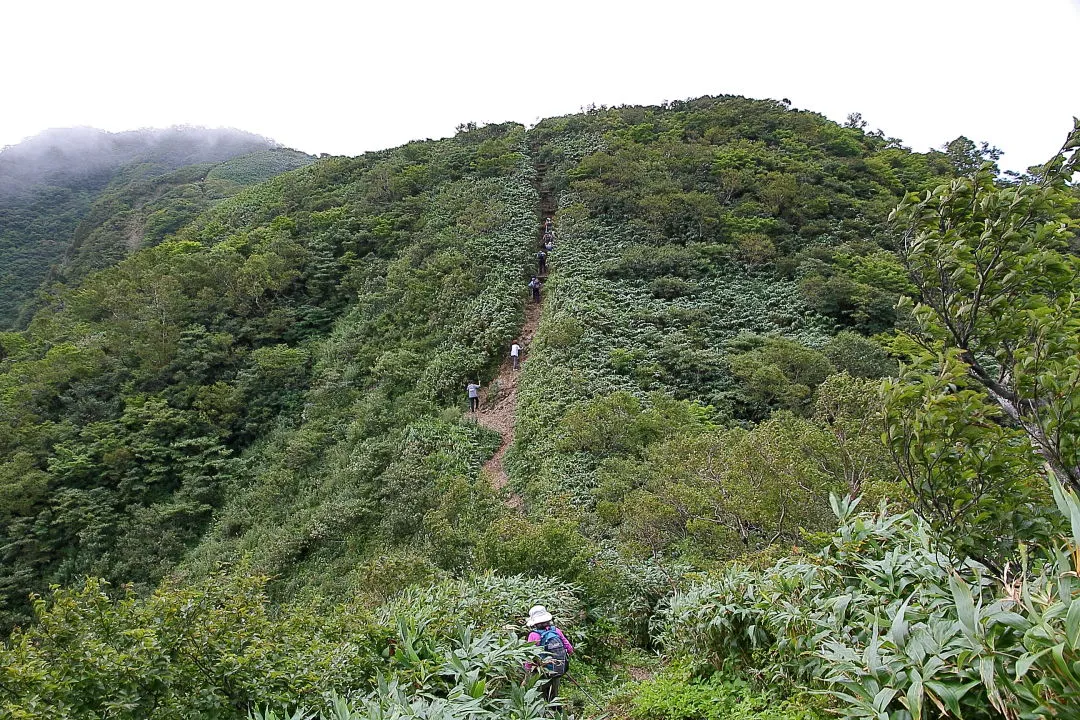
(515, 354)
(474, 396)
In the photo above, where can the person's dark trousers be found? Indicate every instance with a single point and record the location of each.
(542, 266)
(475, 403)
(514, 358)
(550, 689)
(536, 295)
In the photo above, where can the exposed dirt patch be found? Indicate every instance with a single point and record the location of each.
(639, 674)
(134, 232)
(499, 400)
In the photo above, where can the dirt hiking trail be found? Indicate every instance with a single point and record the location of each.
(498, 401)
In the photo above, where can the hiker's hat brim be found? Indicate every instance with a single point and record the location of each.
(539, 617)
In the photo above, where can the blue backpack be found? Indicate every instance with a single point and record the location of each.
(554, 660)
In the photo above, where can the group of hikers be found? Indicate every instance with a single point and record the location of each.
(547, 245)
(554, 649)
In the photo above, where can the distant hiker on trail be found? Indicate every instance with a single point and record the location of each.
(541, 263)
(549, 238)
(549, 224)
(549, 246)
(515, 354)
(535, 285)
(474, 396)
(555, 650)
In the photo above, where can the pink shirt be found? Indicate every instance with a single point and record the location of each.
(534, 637)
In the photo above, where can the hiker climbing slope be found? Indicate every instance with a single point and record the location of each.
(534, 285)
(541, 263)
(474, 395)
(555, 650)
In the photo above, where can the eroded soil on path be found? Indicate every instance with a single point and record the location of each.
(498, 402)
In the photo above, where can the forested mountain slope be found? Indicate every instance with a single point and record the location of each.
(140, 210)
(723, 252)
(50, 184)
(261, 413)
(336, 307)
(672, 282)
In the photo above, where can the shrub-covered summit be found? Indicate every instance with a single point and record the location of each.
(253, 428)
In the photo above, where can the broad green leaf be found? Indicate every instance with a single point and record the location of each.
(914, 696)
(1072, 624)
(883, 698)
(1058, 653)
(965, 604)
(899, 627)
(950, 694)
(1026, 661)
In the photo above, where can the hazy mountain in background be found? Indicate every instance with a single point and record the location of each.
(71, 156)
(51, 182)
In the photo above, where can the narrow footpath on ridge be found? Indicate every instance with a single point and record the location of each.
(498, 401)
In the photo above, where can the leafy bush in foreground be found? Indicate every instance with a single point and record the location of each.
(887, 624)
(210, 650)
(220, 649)
(677, 695)
(437, 668)
(458, 689)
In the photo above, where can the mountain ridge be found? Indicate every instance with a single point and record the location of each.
(50, 183)
(257, 424)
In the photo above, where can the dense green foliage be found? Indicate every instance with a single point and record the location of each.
(679, 695)
(132, 397)
(63, 186)
(892, 628)
(220, 649)
(695, 242)
(896, 617)
(381, 457)
(996, 336)
(245, 412)
(140, 208)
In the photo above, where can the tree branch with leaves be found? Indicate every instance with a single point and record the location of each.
(997, 292)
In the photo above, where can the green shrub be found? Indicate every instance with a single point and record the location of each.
(647, 262)
(213, 650)
(669, 288)
(677, 694)
(859, 356)
(891, 628)
(219, 649)
(777, 373)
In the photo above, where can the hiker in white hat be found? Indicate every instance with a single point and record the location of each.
(555, 650)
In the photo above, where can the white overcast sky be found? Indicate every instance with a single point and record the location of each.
(348, 76)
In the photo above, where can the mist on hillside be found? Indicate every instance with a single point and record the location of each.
(59, 156)
(50, 182)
